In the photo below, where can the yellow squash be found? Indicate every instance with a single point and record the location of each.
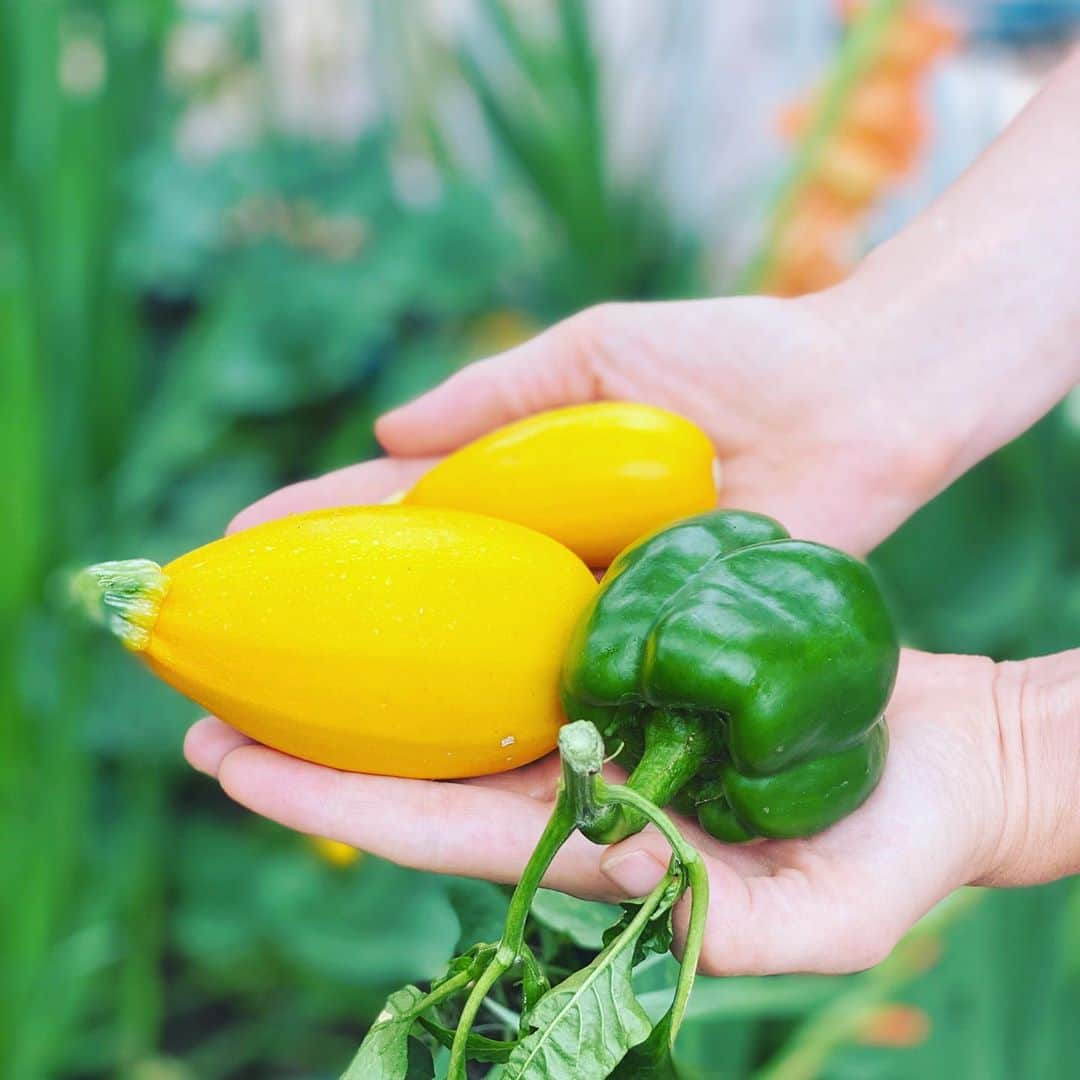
(594, 477)
(397, 640)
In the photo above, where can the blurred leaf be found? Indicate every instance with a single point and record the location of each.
(994, 549)
(254, 902)
(582, 921)
(540, 95)
(481, 910)
(750, 996)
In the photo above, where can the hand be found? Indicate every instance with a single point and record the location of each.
(838, 414)
(804, 419)
(955, 806)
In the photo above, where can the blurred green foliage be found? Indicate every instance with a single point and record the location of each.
(179, 335)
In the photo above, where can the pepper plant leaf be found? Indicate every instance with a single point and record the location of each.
(477, 1047)
(585, 1024)
(651, 1059)
(655, 938)
(384, 1053)
(582, 921)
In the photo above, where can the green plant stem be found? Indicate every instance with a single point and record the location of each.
(582, 758)
(699, 890)
(808, 1050)
(861, 46)
(583, 796)
(647, 910)
(443, 990)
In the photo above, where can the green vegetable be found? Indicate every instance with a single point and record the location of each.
(739, 674)
(743, 675)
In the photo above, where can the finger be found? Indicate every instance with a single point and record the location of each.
(355, 485)
(538, 780)
(635, 865)
(556, 368)
(765, 920)
(449, 828)
(208, 741)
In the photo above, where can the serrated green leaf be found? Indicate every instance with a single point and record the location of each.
(384, 1053)
(585, 1025)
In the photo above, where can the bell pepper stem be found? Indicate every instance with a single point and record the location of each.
(676, 746)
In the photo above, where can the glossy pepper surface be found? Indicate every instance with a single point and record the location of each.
(740, 675)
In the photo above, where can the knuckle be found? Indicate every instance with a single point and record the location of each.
(593, 331)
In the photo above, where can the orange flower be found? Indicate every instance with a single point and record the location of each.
(897, 1026)
(877, 139)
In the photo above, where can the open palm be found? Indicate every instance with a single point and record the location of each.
(835, 902)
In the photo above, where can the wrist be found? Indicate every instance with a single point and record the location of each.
(971, 314)
(1037, 713)
(906, 424)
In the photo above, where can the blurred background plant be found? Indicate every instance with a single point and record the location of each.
(232, 233)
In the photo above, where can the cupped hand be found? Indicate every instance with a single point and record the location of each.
(804, 409)
(835, 902)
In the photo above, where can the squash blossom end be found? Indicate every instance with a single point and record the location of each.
(124, 596)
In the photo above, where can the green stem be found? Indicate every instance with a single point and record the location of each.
(699, 890)
(443, 990)
(583, 799)
(648, 908)
(676, 746)
(582, 752)
(861, 46)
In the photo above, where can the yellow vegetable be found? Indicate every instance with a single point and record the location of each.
(594, 477)
(398, 640)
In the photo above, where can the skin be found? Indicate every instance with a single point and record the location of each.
(839, 414)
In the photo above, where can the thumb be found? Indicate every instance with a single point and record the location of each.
(556, 368)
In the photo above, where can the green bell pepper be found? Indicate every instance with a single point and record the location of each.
(739, 675)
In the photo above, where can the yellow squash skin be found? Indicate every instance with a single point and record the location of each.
(594, 477)
(397, 640)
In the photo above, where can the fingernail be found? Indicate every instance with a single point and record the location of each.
(634, 873)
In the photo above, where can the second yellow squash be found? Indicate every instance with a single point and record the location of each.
(594, 477)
